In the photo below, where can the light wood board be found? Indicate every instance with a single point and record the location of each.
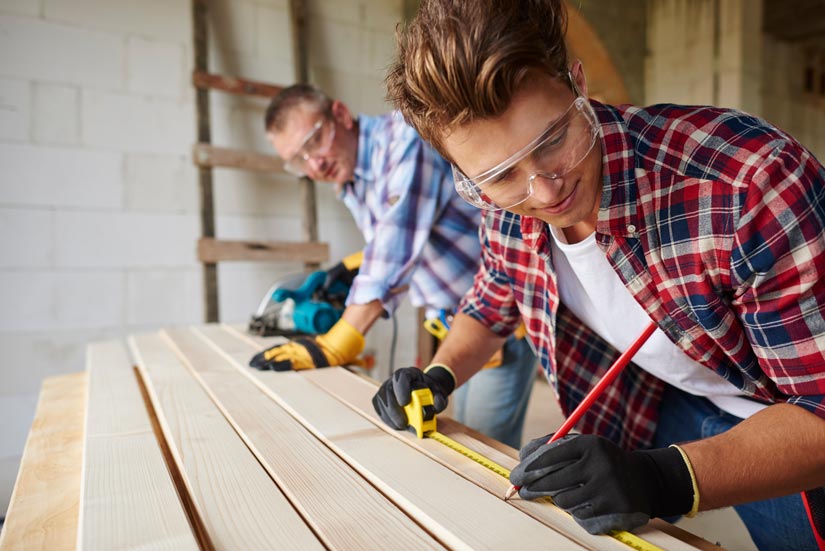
(358, 391)
(459, 513)
(44, 504)
(198, 451)
(344, 509)
(129, 500)
(234, 498)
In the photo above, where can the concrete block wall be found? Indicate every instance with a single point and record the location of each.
(98, 196)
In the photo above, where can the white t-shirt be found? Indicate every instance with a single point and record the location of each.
(590, 288)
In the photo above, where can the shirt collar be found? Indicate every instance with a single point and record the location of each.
(362, 163)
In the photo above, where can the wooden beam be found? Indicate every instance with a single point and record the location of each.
(200, 52)
(43, 510)
(234, 85)
(206, 155)
(300, 54)
(214, 250)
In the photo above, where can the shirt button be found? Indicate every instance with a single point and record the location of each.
(631, 228)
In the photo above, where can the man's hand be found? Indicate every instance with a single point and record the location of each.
(396, 392)
(340, 277)
(339, 346)
(604, 487)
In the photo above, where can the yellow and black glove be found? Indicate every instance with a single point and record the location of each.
(396, 392)
(338, 346)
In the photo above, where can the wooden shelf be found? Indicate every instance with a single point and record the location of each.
(214, 250)
(232, 85)
(205, 155)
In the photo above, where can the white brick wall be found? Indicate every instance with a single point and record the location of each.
(38, 49)
(98, 196)
(59, 177)
(56, 114)
(15, 107)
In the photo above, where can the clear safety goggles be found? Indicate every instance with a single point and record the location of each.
(554, 153)
(315, 144)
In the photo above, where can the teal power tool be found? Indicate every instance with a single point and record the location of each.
(300, 305)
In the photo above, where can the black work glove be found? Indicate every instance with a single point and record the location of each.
(340, 277)
(339, 274)
(603, 486)
(396, 392)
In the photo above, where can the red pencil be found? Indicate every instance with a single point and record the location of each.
(617, 367)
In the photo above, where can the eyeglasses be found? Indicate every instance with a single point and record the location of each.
(316, 143)
(556, 151)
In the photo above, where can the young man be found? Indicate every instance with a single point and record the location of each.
(419, 236)
(599, 220)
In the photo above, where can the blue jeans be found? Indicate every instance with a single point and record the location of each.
(774, 524)
(494, 401)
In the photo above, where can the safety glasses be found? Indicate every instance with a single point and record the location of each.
(554, 153)
(315, 144)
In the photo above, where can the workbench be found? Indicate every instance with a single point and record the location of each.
(169, 441)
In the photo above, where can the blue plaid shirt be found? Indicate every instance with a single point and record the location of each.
(421, 237)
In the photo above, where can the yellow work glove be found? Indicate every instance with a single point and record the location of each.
(338, 346)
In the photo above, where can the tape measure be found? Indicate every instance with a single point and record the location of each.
(421, 416)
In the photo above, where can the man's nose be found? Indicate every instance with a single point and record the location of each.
(318, 163)
(546, 187)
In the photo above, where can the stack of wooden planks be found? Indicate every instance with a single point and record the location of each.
(184, 447)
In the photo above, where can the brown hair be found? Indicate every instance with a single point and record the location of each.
(288, 99)
(459, 60)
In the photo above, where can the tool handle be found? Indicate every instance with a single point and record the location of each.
(611, 374)
(614, 370)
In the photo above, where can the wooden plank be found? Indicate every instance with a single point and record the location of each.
(457, 512)
(215, 250)
(343, 385)
(233, 85)
(234, 497)
(345, 511)
(345, 389)
(129, 500)
(43, 510)
(207, 155)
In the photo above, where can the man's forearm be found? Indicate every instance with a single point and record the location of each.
(362, 316)
(468, 345)
(776, 452)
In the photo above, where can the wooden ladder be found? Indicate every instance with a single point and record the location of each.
(212, 250)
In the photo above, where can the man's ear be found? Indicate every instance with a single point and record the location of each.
(341, 113)
(577, 70)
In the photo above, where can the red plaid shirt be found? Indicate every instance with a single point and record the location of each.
(715, 222)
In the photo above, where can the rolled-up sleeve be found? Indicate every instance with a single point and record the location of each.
(490, 300)
(778, 264)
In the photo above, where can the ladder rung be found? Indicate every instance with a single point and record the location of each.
(208, 155)
(234, 85)
(220, 250)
